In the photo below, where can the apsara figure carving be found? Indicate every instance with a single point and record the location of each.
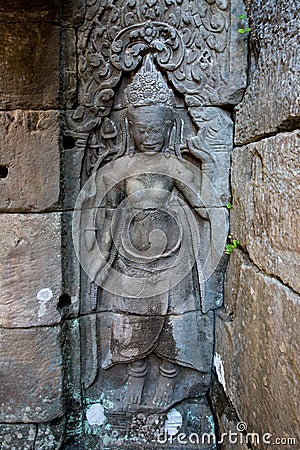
(150, 276)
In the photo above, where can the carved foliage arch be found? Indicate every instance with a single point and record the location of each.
(187, 38)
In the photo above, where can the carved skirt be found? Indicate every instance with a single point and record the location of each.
(158, 310)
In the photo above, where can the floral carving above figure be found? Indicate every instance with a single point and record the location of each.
(141, 249)
(160, 39)
(188, 38)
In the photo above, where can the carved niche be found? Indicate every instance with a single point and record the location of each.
(150, 223)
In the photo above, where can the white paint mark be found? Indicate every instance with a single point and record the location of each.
(44, 295)
(173, 422)
(218, 364)
(95, 415)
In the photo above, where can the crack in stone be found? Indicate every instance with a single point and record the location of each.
(263, 272)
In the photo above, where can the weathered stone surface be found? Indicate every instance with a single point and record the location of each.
(31, 375)
(216, 135)
(30, 152)
(236, 68)
(24, 10)
(73, 165)
(258, 346)
(265, 215)
(29, 74)
(189, 425)
(50, 435)
(72, 366)
(69, 63)
(271, 102)
(30, 269)
(71, 270)
(18, 437)
(71, 12)
(230, 437)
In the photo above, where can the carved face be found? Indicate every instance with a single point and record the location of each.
(149, 129)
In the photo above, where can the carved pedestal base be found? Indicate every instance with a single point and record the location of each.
(188, 425)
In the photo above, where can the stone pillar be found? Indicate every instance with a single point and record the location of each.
(257, 347)
(198, 55)
(36, 43)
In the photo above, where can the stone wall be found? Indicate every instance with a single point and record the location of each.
(257, 341)
(36, 287)
(257, 334)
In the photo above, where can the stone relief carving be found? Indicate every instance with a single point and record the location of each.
(150, 224)
(153, 305)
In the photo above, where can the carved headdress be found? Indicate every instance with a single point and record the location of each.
(148, 88)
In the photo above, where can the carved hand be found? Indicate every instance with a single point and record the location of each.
(201, 151)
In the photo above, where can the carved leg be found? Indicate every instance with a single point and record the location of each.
(136, 380)
(166, 383)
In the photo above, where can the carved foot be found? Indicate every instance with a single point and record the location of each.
(135, 384)
(134, 392)
(166, 384)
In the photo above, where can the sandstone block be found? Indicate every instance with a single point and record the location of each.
(29, 74)
(30, 269)
(232, 439)
(71, 269)
(265, 215)
(71, 12)
(24, 10)
(69, 64)
(257, 342)
(19, 437)
(236, 64)
(50, 435)
(30, 160)
(31, 375)
(73, 159)
(72, 360)
(271, 102)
